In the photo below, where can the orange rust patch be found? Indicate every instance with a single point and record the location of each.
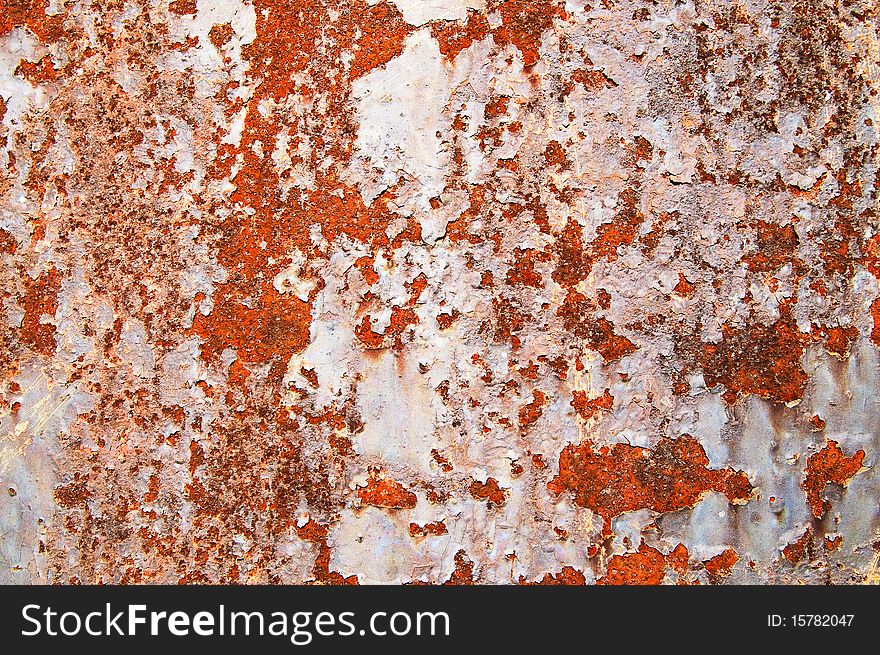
(182, 7)
(442, 461)
(623, 478)
(384, 492)
(445, 321)
(40, 298)
(776, 246)
(827, 466)
(522, 24)
(530, 413)
(647, 566)
(589, 407)
(577, 313)
(464, 570)
(401, 319)
(875, 315)
(838, 340)
(522, 271)
(761, 360)
(220, 35)
(31, 14)
(75, 494)
(802, 548)
(317, 533)
(568, 576)
(435, 529)
(270, 330)
(833, 542)
(489, 491)
(453, 36)
(720, 566)
(683, 288)
(622, 230)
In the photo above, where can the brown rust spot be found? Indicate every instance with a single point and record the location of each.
(464, 570)
(763, 360)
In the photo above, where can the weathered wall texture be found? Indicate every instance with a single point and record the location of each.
(429, 291)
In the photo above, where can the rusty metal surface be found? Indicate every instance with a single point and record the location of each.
(439, 291)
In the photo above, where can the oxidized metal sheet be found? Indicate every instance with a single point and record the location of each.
(439, 291)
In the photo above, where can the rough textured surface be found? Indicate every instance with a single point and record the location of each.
(439, 291)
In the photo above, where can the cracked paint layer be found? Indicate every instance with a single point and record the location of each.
(439, 292)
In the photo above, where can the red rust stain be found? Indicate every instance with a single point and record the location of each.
(182, 7)
(776, 246)
(839, 340)
(555, 155)
(220, 35)
(441, 460)
(270, 328)
(41, 72)
(828, 466)
(31, 14)
(683, 288)
(385, 492)
(647, 566)
(623, 478)
(317, 533)
(74, 494)
(875, 315)
(621, 231)
(577, 313)
(8, 244)
(401, 319)
(522, 271)
(446, 320)
(833, 542)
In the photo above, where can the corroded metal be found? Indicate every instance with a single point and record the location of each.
(439, 291)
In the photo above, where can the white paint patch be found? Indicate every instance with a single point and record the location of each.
(373, 546)
(400, 110)
(395, 405)
(419, 12)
